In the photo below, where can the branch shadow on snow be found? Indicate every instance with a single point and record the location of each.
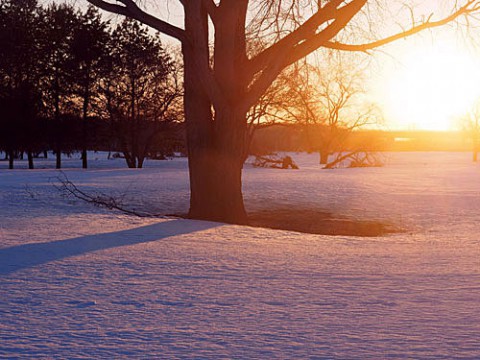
(29, 255)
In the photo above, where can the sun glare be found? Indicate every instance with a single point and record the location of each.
(432, 88)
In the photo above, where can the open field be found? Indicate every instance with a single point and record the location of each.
(77, 281)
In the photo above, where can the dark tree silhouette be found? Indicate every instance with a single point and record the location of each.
(328, 100)
(20, 100)
(57, 66)
(88, 52)
(140, 90)
(57, 31)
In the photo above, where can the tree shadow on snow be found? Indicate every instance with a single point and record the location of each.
(29, 255)
(314, 221)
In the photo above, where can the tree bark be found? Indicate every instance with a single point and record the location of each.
(216, 176)
(216, 146)
(216, 185)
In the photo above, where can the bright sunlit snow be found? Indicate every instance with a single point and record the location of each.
(78, 281)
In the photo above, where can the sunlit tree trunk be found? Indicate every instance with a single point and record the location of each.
(215, 146)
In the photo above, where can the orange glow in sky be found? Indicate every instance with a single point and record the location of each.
(430, 86)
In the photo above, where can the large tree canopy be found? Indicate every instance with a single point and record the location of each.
(223, 80)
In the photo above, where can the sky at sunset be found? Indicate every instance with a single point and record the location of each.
(427, 82)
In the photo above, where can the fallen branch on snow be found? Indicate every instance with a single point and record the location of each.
(68, 188)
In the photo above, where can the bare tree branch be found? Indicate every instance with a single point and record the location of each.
(469, 8)
(302, 42)
(298, 51)
(101, 200)
(132, 10)
(288, 42)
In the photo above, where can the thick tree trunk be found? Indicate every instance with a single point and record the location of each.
(216, 187)
(216, 171)
(215, 176)
(215, 146)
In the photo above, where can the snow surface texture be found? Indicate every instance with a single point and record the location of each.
(79, 282)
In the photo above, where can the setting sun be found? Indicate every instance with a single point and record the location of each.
(432, 87)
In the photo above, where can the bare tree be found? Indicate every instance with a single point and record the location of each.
(141, 89)
(219, 94)
(331, 105)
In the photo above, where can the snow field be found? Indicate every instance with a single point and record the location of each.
(81, 282)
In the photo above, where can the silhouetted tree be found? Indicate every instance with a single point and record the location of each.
(329, 100)
(20, 99)
(88, 51)
(57, 32)
(140, 89)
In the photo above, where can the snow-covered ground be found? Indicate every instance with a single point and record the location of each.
(80, 282)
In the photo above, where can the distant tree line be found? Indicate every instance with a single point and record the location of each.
(71, 81)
